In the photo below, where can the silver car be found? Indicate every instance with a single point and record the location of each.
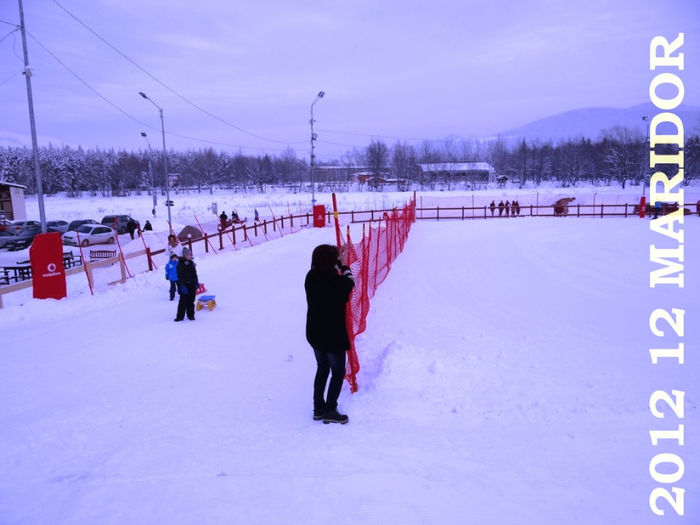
(88, 234)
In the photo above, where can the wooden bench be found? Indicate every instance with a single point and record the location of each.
(70, 259)
(97, 255)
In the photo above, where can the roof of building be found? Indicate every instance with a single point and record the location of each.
(14, 184)
(456, 166)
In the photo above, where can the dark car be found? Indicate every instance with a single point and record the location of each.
(118, 222)
(79, 222)
(57, 226)
(23, 239)
(4, 237)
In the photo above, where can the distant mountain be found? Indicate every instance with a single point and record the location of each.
(589, 122)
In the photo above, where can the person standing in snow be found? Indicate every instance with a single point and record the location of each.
(173, 245)
(492, 207)
(188, 282)
(500, 208)
(328, 285)
(171, 275)
(148, 227)
(131, 228)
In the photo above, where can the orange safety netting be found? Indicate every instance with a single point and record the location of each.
(370, 261)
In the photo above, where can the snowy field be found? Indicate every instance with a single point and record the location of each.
(505, 380)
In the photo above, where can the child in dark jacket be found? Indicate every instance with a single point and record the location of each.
(171, 275)
(188, 282)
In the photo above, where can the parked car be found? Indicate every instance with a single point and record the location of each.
(23, 239)
(57, 226)
(17, 226)
(117, 222)
(4, 237)
(79, 222)
(90, 234)
(4, 223)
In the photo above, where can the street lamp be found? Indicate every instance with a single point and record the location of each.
(165, 158)
(150, 173)
(313, 140)
(645, 118)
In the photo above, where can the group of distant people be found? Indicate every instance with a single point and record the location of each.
(235, 219)
(132, 227)
(510, 208)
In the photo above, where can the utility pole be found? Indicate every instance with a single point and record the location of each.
(35, 146)
(313, 140)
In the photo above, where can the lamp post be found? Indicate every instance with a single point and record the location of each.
(165, 158)
(645, 118)
(150, 173)
(313, 140)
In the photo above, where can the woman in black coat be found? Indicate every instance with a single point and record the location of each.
(328, 286)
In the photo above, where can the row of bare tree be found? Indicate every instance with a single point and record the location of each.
(619, 156)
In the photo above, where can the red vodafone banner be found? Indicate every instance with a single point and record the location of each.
(48, 273)
(319, 216)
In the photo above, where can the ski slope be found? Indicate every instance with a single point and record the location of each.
(505, 379)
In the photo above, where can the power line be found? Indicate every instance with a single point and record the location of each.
(8, 35)
(182, 97)
(10, 77)
(380, 135)
(128, 115)
(9, 23)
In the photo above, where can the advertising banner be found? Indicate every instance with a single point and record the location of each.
(48, 273)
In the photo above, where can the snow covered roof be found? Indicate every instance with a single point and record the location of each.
(13, 184)
(457, 166)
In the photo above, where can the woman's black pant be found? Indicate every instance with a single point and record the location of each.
(333, 363)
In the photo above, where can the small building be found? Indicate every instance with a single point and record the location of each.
(473, 171)
(12, 206)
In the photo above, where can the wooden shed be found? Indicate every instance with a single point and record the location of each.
(12, 205)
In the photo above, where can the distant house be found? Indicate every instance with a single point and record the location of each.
(473, 171)
(12, 205)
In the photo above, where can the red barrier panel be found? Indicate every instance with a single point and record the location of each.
(48, 273)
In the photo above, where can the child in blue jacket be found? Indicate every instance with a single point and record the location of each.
(171, 275)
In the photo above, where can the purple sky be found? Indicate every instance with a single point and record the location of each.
(390, 69)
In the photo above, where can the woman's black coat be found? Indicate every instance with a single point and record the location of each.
(326, 296)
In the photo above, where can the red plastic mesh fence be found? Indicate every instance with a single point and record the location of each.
(370, 260)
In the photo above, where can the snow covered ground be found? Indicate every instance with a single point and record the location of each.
(505, 379)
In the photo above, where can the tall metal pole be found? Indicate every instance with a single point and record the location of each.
(645, 167)
(165, 168)
(35, 146)
(165, 157)
(313, 193)
(150, 173)
(313, 140)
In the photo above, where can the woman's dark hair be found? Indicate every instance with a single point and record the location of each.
(324, 258)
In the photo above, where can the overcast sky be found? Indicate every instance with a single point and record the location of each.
(404, 69)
